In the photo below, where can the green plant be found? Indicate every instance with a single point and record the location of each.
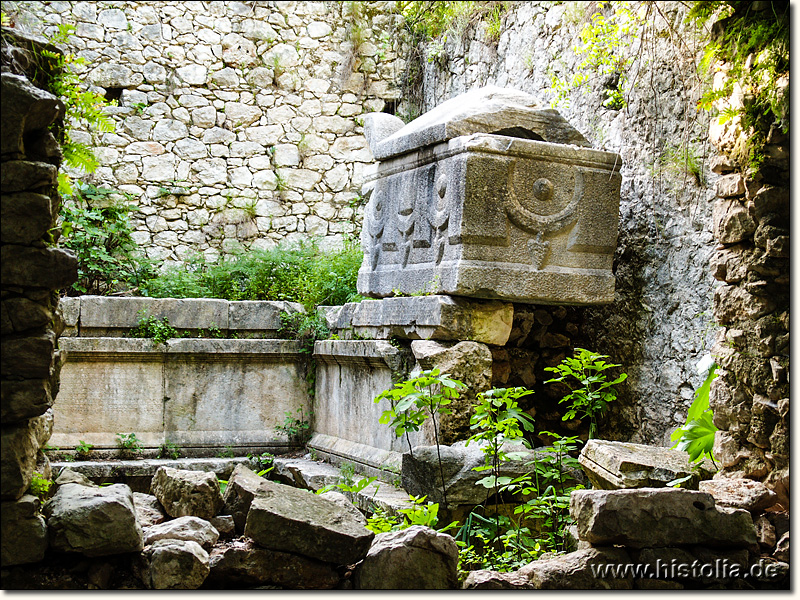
(129, 444)
(754, 45)
(606, 42)
(417, 399)
(265, 460)
(169, 450)
(159, 330)
(697, 436)
(594, 393)
(348, 485)
(223, 485)
(419, 513)
(96, 226)
(304, 327)
(84, 108)
(281, 182)
(40, 486)
(226, 452)
(683, 160)
(138, 107)
(295, 428)
(83, 449)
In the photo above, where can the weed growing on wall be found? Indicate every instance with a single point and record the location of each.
(697, 436)
(158, 330)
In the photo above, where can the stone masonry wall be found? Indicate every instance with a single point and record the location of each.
(32, 270)
(660, 323)
(238, 122)
(750, 396)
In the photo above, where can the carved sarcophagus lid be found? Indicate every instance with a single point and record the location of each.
(489, 196)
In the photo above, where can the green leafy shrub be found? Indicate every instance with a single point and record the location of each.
(96, 227)
(83, 449)
(301, 273)
(295, 428)
(594, 393)
(169, 450)
(419, 513)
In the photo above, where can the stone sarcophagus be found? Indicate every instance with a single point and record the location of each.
(489, 196)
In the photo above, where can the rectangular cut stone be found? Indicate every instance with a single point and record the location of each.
(495, 217)
(657, 518)
(232, 392)
(350, 374)
(196, 393)
(101, 316)
(621, 465)
(259, 318)
(109, 386)
(429, 318)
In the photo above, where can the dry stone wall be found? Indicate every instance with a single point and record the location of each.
(659, 324)
(238, 122)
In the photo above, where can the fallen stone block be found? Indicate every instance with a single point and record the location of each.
(243, 564)
(24, 538)
(193, 529)
(659, 517)
(740, 493)
(622, 465)
(148, 509)
(225, 525)
(95, 521)
(286, 519)
(175, 565)
(416, 558)
(187, 493)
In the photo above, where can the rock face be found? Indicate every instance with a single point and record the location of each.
(414, 558)
(187, 493)
(148, 509)
(289, 520)
(656, 517)
(466, 203)
(246, 565)
(620, 465)
(175, 565)
(24, 530)
(192, 529)
(747, 494)
(94, 521)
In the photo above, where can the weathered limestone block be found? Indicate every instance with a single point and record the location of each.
(24, 399)
(148, 510)
(24, 314)
(104, 314)
(24, 538)
(571, 571)
(95, 521)
(29, 357)
(659, 517)
(186, 528)
(467, 362)
(26, 217)
(261, 317)
(225, 525)
(429, 318)
(243, 486)
(732, 222)
(175, 565)
(730, 186)
(187, 493)
(24, 175)
(416, 558)
(620, 465)
(48, 268)
(747, 494)
(20, 445)
(506, 210)
(350, 374)
(25, 108)
(243, 564)
(286, 519)
(304, 474)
